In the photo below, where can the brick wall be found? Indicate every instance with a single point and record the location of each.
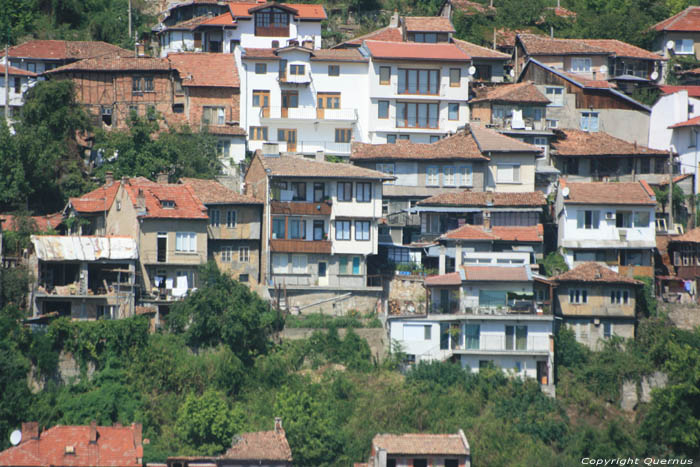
(199, 97)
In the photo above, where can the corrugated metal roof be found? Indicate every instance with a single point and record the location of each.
(83, 248)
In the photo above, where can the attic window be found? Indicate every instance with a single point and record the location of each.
(70, 449)
(167, 204)
(106, 112)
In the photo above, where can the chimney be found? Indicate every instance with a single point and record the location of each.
(320, 156)
(138, 433)
(394, 21)
(487, 222)
(308, 44)
(30, 430)
(125, 180)
(278, 426)
(141, 200)
(93, 432)
(109, 178)
(162, 178)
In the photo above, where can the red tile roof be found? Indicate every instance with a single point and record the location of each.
(229, 130)
(544, 45)
(14, 71)
(506, 37)
(213, 192)
(691, 236)
(695, 121)
(304, 11)
(206, 69)
(64, 50)
(415, 51)
(693, 91)
(98, 200)
(622, 49)
(386, 34)
(260, 446)
(524, 92)
(625, 193)
(677, 179)
(295, 166)
(338, 55)
(187, 205)
(43, 223)
(477, 51)
(480, 198)
(590, 143)
(116, 63)
(428, 24)
(460, 146)
(469, 232)
(496, 273)
(452, 278)
(588, 83)
(687, 20)
(594, 272)
(530, 234)
(490, 140)
(469, 7)
(222, 20)
(114, 447)
(256, 52)
(190, 24)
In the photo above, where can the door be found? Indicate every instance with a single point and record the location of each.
(318, 230)
(162, 247)
(290, 136)
(356, 265)
(542, 373)
(197, 40)
(290, 100)
(261, 99)
(322, 275)
(327, 100)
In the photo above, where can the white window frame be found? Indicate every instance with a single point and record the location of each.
(363, 230)
(578, 296)
(508, 173)
(243, 254)
(449, 176)
(432, 176)
(231, 218)
(465, 175)
(343, 234)
(215, 218)
(588, 122)
(226, 254)
(299, 264)
(186, 242)
(684, 47)
(280, 263)
(580, 64)
(555, 94)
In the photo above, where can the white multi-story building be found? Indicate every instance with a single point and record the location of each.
(19, 82)
(611, 223)
(210, 26)
(303, 99)
(417, 91)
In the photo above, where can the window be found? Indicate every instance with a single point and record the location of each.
(319, 192)
(420, 462)
(429, 37)
(398, 255)
(417, 332)
(230, 219)
(343, 265)
(471, 334)
(416, 115)
(258, 133)
(342, 230)
(620, 297)
(186, 242)
(106, 112)
(589, 121)
(555, 96)
(434, 138)
(213, 115)
(261, 98)
(448, 174)
(516, 337)
(383, 109)
(278, 227)
(453, 110)
(333, 70)
(362, 230)
(343, 135)
(148, 84)
(298, 191)
(244, 254)
(451, 463)
(404, 137)
(387, 169)
(297, 69)
(319, 230)
(226, 254)
(243, 278)
(684, 46)
(418, 81)
(364, 192)
(297, 229)
(465, 175)
(260, 68)
(607, 329)
(641, 218)
(508, 173)
(587, 219)
(384, 75)
(552, 123)
(214, 217)
(483, 72)
(299, 264)
(390, 139)
(391, 463)
(578, 296)
(277, 189)
(280, 263)
(433, 176)
(581, 65)
(623, 219)
(344, 191)
(136, 84)
(455, 77)
(328, 100)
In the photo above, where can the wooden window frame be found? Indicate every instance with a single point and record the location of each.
(381, 80)
(258, 133)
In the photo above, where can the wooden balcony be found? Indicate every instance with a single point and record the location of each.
(632, 271)
(300, 246)
(272, 31)
(302, 208)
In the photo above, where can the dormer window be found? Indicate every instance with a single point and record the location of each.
(167, 204)
(272, 22)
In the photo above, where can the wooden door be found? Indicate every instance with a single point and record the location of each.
(290, 100)
(290, 136)
(261, 99)
(327, 100)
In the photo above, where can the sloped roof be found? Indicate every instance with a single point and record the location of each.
(260, 446)
(469, 232)
(691, 236)
(303, 11)
(506, 37)
(625, 193)
(543, 45)
(524, 92)
(686, 20)
(460, 146)
(428, 24)
(594, 272)
(415, 51)
(385, 34)
(598, 143)
(695, 121)
(490, 140)
(116, 446)
(64, 50)
(452, 278)
(338, 55)
(497, 273)
(14, 71)
(480, 198)
(469, 7)
(98, 200)
(225, 19)
(294, 166)
(228, 130)
(206, 69)
(187, 205)
(693, 91)
(43, 223)
(259, 52)
(213, 192)
(116, 63)
(529, 234)
(83, 248)
(477, 51)
(622, 49)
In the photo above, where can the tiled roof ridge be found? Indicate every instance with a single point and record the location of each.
(593, 272)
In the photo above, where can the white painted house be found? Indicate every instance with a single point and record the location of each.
(611, 223)
(19, 83)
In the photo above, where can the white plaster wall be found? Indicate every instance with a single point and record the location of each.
(16, 99)
(527, 172)
(528, 363)
(606, 229)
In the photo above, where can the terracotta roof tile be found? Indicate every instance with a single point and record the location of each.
(206, 69)
(460, 146)
(625, 193)
(469, 232)
(506, 37)
(213, 192)
(190, 24)
(294, 166)
(686, 20)
(496, 273)
(544, 45)
(386, 34)
(622, 49)
(452, 278)
(693, 91)
(469, 7)
(695, 121)
(588, 83)
(492, 141)
(240, 9)
(428, 24)
(589, 143)
(229, 130)
(691, 236)
(264, 53)
(480, 198)
(98, 200)
(222, 20)
(415, 51)
(477, 51)
(524, 92)
(43, 223)
(677, 179)
(115, 447)
(116, 63)
(260, 446)
(530, 234)
(303, 11)
(594, 272)
(187, 205)
(64, 50)
(338, 55)
(14, 71)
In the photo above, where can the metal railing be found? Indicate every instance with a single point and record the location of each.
(308, 112)
(305, 147)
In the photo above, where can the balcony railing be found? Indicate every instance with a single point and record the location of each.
(499, 343)
(322, 208)
(308, 112)
(300, 246)
(305, 147)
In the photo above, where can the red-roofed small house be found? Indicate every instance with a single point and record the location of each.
(20, 82)
(40, 55)
(418, 449)
(679, 35)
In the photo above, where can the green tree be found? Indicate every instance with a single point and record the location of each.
(206, 424)
(13, 180)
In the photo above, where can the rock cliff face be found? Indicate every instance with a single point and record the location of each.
(633, 393)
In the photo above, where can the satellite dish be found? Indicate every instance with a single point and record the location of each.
(15, 437)
(512, 73)
(472, 70)
(603, 69)
(670, 45)
(655, 76)
(565, 192)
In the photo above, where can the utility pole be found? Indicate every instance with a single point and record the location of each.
(670, 190)
(7, 81)
(129, 18)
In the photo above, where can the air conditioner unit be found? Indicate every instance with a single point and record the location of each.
(70, 449)
(610, 215)
(596, 321)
